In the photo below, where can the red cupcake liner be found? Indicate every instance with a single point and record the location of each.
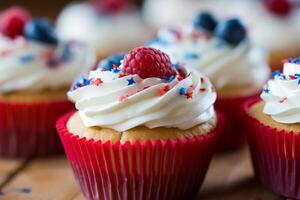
(28, 129)
(154, 170)
(275, 155)
(232, 136)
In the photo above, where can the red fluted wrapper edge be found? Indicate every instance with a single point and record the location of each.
(154, 170)
(28, 129)
(275, 155)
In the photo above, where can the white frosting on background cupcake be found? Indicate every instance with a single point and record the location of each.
(33, 66)
(106, 32)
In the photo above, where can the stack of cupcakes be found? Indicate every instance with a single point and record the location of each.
(273, 131)
(36, 69)
(222, 51)
(145, 128)
(108, 26)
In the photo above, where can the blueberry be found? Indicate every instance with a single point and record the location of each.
(231, 31)
(108, 63)
(206, 21)
(41, 30)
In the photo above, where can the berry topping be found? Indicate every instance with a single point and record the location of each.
(108, 63)
(40, 30)
(206, 21)
(232, 31)
(109, 5)
(12, 21)
(279, 7)
(148, 62)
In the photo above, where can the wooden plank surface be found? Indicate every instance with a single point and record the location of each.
(230, 177)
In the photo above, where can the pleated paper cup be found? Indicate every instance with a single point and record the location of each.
(28, 129)
(154, 170)
(275, 155)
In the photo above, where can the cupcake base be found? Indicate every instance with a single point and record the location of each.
(275, 154)
(154, 169)
(28, 129)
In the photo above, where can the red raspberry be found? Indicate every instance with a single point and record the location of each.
(280, 7)
(148, 62)
(13, 20)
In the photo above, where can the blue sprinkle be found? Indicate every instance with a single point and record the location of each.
(170, 78)
(24, 190)
(298, 81)
(297, 75)
(190, 56)
(275, 73)
(130, 81)
(267, 90)
(182, 91)
(1, 193)
(26, 58)
(116, 70)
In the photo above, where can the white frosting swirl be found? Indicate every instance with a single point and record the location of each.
(281, 95)
(225, 65)
(119, 105)
(107, 33)
(32, 66)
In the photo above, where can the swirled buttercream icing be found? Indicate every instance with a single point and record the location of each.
(281, 94)
(112, 99)
(227, 66)
(32, 66)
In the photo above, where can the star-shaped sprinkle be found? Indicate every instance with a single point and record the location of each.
(97, 81)
(189, 95)
(130, 81)
(266, 90)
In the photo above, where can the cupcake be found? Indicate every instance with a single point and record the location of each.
(150, 123)
(165, 13)
(273, 131)
(36, 69)
(107, 26)
(281, 17)
(223, 52)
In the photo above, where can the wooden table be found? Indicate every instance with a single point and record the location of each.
(230, 177)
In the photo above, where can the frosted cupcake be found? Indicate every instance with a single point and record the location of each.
(274, 25)
(223, 52)
(107, 27)
(166, 13)
(273, 131)
(36, 69)
(153, 125)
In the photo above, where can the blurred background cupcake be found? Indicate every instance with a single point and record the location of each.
(36, 70)
(272, 24)
(223, 51)
(273, 131)
(109, 25)
(160, 118)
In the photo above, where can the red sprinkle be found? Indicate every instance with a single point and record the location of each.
(96, 82)
(164, 90)
(282, 100)
(189, 95)
(202, 90)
